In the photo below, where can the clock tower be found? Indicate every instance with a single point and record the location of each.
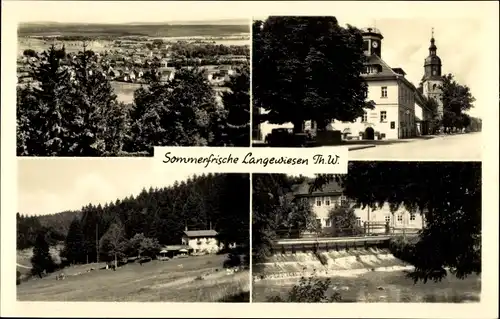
(372, 41)
(432, 80)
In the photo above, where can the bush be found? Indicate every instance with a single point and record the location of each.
(403, 248)
(233, 260)
(309, 290)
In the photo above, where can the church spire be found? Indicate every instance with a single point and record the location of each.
(432, 48)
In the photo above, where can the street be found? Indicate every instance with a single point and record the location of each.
(461, 147)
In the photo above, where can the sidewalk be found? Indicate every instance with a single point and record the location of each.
(362, 144)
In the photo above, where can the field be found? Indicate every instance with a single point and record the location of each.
(191, 279)
(123, 30)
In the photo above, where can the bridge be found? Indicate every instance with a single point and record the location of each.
(304, 245)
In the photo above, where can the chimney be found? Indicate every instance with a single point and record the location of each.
(186, 228)
(210, 225)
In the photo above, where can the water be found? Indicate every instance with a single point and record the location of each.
(365, 275)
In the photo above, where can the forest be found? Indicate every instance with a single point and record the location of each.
(160, 215)
(70, 109)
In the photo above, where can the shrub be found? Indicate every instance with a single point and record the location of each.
(310, 289)
(233, 260)
(403, 248)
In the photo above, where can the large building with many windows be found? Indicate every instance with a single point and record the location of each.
(400, 110)
(331, 196)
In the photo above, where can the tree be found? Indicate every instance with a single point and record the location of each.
(41, 261)
(344, 220)
(312, 73)
(447, 194)
(273, 213)
(74, 247)
(144, 246)
(457, 99)
(296, 217)
(237, 104)
(29, 53)
(42, 108)
(98, 123)
(113, 243)
(180, 112)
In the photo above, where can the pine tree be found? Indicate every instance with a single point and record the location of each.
(41, 260)
(42, 107)
(237, 104)
(99, 122)
(74, 249)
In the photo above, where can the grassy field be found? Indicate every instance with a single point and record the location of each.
(122, 30)
(189, 279)
(383, 287)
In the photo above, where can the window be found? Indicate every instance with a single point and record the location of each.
(387, 219)
(327, 201)
(400, 218)
(365, 45)
(383, 116)
(358, 221)
(364, 118)
(412, 217)
(328, 222)
(343, 200)
(384, 91)
(318, 202)
(393, 125)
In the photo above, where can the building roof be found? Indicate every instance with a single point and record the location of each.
(302, 190)
(175, 248)
(201, 233)
(385, 69)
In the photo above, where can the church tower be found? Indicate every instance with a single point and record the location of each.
(372, 41)
(432, 80)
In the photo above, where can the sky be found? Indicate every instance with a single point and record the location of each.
(52, 185)
(131, 11)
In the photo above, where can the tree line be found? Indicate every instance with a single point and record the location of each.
(69, 109)
(199, 50)
(315, 73)
(138, 225)
(447, 195)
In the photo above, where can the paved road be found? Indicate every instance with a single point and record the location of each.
(461, 147)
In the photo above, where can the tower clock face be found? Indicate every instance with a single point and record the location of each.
(375, 44)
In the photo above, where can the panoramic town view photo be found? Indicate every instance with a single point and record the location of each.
(388, 89)
(383, 232)
(95, 87)
(119, 231)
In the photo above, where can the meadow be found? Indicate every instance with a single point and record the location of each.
(191, 279)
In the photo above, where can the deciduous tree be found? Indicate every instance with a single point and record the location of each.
(308, 68)
(113, 243)
(447, 194)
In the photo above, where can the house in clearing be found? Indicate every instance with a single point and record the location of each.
(201, 240)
